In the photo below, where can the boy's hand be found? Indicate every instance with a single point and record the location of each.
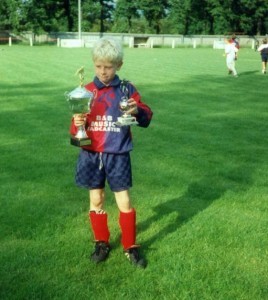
(79, 119)
(133, 109)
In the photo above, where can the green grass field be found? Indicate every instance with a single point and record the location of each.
(200, 179)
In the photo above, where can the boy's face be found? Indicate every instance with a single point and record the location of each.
(106, 70)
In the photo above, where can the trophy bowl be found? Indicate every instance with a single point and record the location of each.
(79, 101)
(125, 119)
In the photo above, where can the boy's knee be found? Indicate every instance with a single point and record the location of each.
(96, 199)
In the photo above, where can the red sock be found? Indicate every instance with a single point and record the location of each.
(127, 222)
(99, 224)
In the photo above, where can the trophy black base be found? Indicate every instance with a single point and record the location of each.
(80, 142)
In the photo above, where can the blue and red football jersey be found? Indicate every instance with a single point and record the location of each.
(105, 135)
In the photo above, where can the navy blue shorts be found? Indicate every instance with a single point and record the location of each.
(93, 169)
(264, 57)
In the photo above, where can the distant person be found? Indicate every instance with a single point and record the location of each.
(230, 54)
(235, 41)
(107, 159)
(257, 44)
(263, 49)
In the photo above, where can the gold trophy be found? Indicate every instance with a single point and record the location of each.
(79, 101)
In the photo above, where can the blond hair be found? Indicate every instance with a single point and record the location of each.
(108, 49)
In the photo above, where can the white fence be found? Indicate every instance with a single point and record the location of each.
(70, 39)
(154, 40)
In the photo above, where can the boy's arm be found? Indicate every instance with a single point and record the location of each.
(144, 113)
(262, 47)
(77, 120)
(138, 109)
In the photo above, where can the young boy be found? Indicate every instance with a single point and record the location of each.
(108, 157)
(230, 53)
(263, 49)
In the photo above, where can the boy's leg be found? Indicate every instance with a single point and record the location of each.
(264, 65)
(91, 175)
(228, 67)
(127, 219)
(127, 222)
(119, 177)
(231, 66)
(98, 217)
(99, 224)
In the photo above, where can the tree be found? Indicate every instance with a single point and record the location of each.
(126, 10)
(254, 16)
(180, 15)
(157, 16)
(106, 9)
(219, 16)
(154, 11)
(12, 15)
(68, 14)
(190, 16)
(222, 16)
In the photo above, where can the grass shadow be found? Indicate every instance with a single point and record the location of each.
(217, 134)
(198, 196)
(249, 72)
